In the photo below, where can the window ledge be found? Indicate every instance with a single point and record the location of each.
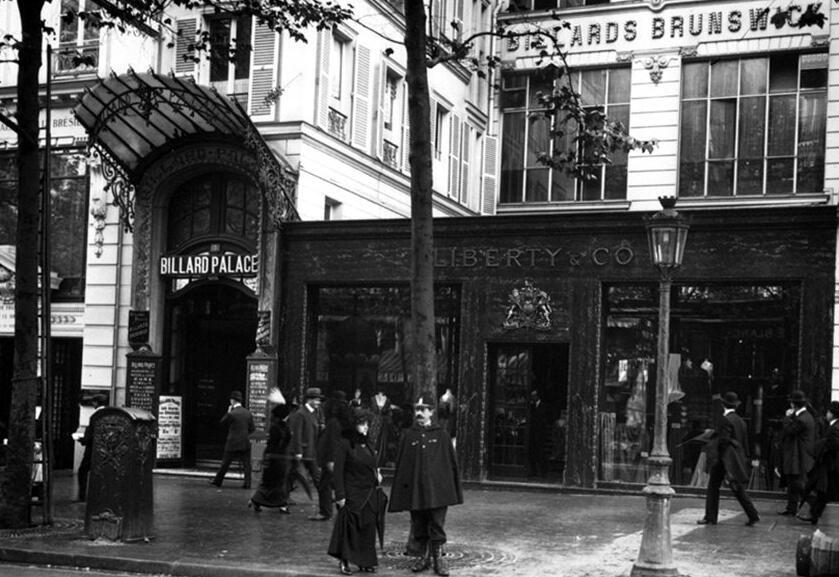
(762, 201)
(564, 207)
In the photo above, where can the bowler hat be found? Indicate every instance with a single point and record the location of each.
(422, 404)
(730, 400)
(236, 396)
(798, 397)
(338, 395)
(313, 393)
(833, 407)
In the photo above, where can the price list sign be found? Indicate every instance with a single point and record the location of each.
(169, 428)
(259, 372)
(143, 381)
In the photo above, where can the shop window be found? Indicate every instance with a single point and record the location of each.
(753, 126)
(78, 38)
(726, 337)
(213, 206)
(361, 343)
(230, 55)
(69, 191)
(527, 135)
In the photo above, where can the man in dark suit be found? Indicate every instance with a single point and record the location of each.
(538, 431)
(305, 425)
(728, 459)
(825, 474)
(798, 440)
(240, 425)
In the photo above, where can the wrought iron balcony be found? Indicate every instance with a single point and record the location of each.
(337, 124)
(390, 154)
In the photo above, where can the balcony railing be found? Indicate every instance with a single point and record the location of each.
(390, 154)
(71, 58)
(337, 124)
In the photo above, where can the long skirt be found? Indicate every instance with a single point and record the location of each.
(272, 490)
(354, 536)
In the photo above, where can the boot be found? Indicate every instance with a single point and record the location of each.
(423, 562)
(441, 568)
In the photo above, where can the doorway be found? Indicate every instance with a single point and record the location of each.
(528, 410)
(211, 331)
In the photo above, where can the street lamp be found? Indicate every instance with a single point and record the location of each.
(667, 233)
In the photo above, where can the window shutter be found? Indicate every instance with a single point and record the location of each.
(379, 89)
(186, 36)
(361, 99)
(433, 125)
(406, 133)
(266, 46)
(324, 47)
(488, 181)
(454, 156)
(465, 180)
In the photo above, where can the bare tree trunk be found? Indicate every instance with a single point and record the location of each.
(422, 234)
(16, 483)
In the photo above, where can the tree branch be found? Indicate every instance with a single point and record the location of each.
(4, 119)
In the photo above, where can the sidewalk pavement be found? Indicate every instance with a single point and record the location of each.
(203, 531)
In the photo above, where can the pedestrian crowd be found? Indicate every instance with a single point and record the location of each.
(808, 465)
(334, 447)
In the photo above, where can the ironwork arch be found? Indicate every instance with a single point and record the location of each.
(132, 119)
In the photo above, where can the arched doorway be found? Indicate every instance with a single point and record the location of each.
(211, 312)
(211, 331)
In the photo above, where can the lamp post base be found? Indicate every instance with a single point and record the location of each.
(655, 559)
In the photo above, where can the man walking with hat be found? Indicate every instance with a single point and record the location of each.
(426, 482)
(825, 475)
(728, 453)
(240, 425)
(798, 440)
(305, 425)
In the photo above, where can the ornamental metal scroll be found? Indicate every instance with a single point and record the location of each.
(529, 307)
(117, 183)
(278, 183)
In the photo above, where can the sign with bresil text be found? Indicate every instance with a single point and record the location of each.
(209, 265)
(674, 26)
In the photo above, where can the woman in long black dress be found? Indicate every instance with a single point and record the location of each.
(273, 490)
(356, 494)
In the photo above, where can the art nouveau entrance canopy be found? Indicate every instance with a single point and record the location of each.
(133, 119)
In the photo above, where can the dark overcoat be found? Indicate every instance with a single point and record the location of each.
(426, 475)
(798, 440)
(305, 428)
(356, 480)
(826, 470)
(730, 445)
(240, 425)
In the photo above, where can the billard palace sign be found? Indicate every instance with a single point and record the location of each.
(209, 265)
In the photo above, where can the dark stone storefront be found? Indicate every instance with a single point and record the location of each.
(565, 305)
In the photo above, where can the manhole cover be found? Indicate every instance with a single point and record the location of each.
(457, 556)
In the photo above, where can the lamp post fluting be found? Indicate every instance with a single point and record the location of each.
(667, 232)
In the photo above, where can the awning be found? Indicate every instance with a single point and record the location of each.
(136, 118)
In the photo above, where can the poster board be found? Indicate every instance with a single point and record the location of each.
(169, 427)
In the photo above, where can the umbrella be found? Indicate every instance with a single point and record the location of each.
(381, 510)
(706, 436)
